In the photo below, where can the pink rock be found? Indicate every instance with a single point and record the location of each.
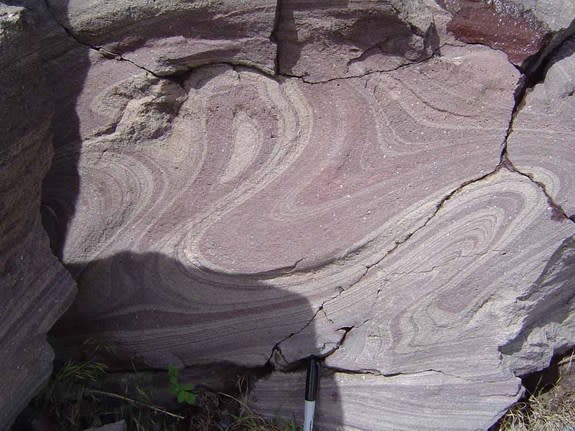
(215, 209)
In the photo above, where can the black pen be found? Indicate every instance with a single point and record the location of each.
(311, 385)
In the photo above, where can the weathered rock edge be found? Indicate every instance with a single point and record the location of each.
(35, 289)
(165, 71)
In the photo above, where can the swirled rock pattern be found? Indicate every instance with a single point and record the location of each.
(239, 174)
(422, 311)
(257, 183)
(542, 144)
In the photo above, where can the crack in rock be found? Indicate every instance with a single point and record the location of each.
(377, 373)
(102, 51)
(399, 243)
(406, 238)
(177, 76)
(435, 53)
(557, 213)
(276, 349)
(533, 76)
(274, 37)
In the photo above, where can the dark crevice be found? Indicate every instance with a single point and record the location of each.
(534, 73)
(377, 373)
(276, 357)
(275, 36)
(558, 374)
(276, 350)
(536, 65)
(557, 213)
(346, 330)
(544, 380)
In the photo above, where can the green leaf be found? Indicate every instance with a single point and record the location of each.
(172, 370)
(181, 397)
(173, 374)
(190, 398)
(187, 387)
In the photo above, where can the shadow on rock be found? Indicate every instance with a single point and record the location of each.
(158, 312)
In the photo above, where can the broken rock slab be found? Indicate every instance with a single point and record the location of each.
(446, 308)
(167, 37)
(526, 31)
(424, 401)
(359, 212)
(35, 289)
(542, 140)
(319, 41)
(253, 189)
(501, 25)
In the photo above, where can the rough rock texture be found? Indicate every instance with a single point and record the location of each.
(257, 183)
(250, 196)
(170, 36)
(541, 146)
(541, 143)
(320, 41)
(402, 402)
(34, 288)
(524, 30)
(557, 15)
(501, 25)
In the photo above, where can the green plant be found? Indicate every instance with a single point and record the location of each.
(183, 391)
(84, 394)
(76, 398)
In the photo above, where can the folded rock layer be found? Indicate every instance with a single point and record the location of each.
(253, 183)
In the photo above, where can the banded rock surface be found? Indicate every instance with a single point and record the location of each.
(252, 183)
(242, 176)
(413, 320)
(35, 289)
(541, 144)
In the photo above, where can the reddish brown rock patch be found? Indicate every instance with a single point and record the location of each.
(514, 32)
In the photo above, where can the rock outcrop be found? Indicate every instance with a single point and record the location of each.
(35, 289)
(372, 183)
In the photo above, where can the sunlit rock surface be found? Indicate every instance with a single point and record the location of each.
(542, 141)
(258, 183)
